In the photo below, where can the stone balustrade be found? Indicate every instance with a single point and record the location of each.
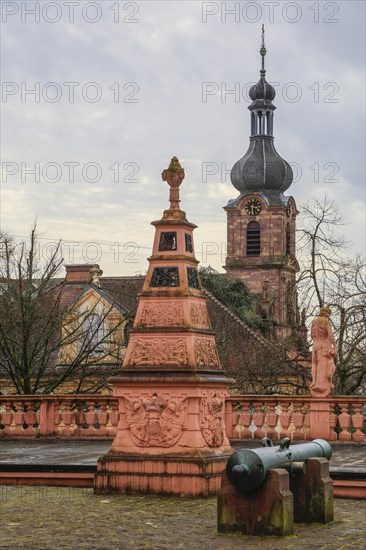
(89, 416)
(254, 417)
(246, 417)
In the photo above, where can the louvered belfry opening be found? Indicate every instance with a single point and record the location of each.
(253, 239)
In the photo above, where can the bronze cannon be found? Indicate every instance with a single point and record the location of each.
(247, 469)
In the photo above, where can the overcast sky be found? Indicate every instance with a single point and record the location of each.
(121, 87)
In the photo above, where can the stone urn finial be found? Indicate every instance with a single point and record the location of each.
(174, 175)
(95, 274)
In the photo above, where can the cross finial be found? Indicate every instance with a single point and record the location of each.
(263, 52)
(174, 175)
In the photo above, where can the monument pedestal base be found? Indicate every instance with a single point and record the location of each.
(187, 476)
(171, 435)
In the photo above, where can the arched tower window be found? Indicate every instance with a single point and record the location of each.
(288, 239)
(253, 239)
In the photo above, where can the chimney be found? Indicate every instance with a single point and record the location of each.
(78, 273)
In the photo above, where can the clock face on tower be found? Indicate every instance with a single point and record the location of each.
(253, 207)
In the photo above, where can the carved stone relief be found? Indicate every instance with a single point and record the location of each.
(155, 421)
(212, 420)
(162, 314)
(206, 353)
(159, 351)
(199, 315)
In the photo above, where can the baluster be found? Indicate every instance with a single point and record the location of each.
(91, 417)
(112, 418)
(252, 425)
(286, 418)
(344, 421)
(271, 419)
(6, 418)
(67, 416)
(18, 418)
(78, 418)
(258, 417)
(291, 421)
(36, 411)
(265, 425)
(243, 421)
(358, 422)
(73, 424)
(102, 420)
(59, 422)
(297, 420)
(278, 428)
(333, 436)
(2, 417)
(30, 418)
(306, 424)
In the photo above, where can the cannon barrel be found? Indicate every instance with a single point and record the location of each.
(247, 468)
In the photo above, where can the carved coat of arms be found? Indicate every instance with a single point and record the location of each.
(155, 421)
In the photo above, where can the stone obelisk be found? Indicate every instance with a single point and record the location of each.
(171, 389)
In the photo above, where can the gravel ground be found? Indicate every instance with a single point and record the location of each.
(48, 518)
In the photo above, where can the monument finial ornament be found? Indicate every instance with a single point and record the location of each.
(174, 175)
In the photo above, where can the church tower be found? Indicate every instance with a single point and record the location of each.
(261, 221)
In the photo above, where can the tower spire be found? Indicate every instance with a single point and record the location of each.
(263, 52)
(261, 168)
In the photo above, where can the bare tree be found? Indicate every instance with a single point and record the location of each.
(45, 342)
(259, 365)
(330, 277)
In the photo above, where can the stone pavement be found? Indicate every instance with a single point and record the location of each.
(87, 452)
(48, 518)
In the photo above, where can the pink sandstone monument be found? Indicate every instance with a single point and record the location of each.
(171, 389)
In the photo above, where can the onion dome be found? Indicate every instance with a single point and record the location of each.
(261, 168)
(262, 91)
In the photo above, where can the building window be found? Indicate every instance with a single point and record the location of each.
(93, 333)
(288, 239)
(253, 239)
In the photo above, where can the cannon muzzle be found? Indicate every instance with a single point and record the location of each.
(247, 468)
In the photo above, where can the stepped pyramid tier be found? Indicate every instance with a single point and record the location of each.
(262, 169)
(171, 389)
(172, 330)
